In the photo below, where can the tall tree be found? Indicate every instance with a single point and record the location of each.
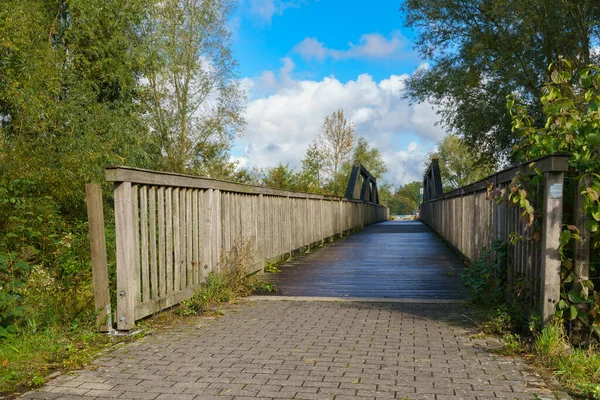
(370, 157)
(68, 93)
(459, 163)
(335, 144)
(69, 106)
(193, 97)
(484, 50)
(311, 174)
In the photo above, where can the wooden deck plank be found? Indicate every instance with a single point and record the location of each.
(393, 259)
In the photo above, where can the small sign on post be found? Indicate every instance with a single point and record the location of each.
(556, 191)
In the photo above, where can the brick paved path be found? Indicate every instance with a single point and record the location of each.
(309, 350)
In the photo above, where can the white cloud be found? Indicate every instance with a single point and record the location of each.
(406, 165)
(282, 124)
(241, 161)
(311, 48)
(371, 46)
(270, 82)
(266, 9)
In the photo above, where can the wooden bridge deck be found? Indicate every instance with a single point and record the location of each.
(392, 259)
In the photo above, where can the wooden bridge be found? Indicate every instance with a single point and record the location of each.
(395, 324)
(172, 230)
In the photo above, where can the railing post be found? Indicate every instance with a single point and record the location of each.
(95, 211)
(551, 228)
(124, 230)
(260, 232)
(581, 248)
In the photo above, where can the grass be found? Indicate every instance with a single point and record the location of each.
(576, 368)
(26, 359)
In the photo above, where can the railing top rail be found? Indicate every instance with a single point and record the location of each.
(553, 163)
(159, 178)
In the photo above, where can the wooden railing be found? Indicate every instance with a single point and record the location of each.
(171, 231)
(469, 221)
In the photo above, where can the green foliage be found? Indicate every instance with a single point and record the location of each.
(406, 199)
(28, 358)
(369, 156)
(487, 276)
(499, 322)
(75, 80)
(216, 290)
(192, 94)
(271, 267)
(511, 344)
(578, 369)
(281, 177)
(460, 164)
(67, 94)
(12, 276)
(327, 163)
(260, 287)
(484, 50)
(401, 205)
(570, 105)
(311, 174)
(335, 144)
(511, 317)
(44, 261)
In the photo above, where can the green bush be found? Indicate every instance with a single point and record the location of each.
(45, 273)
(12, 275)
(486, 277)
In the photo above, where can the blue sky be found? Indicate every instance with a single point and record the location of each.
(303, 59)
(262, 39)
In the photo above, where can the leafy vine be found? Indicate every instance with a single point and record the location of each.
(571, 103)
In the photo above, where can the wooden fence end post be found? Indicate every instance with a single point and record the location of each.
(551, 229)
(95, 212)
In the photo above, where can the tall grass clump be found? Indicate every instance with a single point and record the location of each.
(578, 368)
(231, 280)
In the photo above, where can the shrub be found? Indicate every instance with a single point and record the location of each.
(45, 275)
(487, 276)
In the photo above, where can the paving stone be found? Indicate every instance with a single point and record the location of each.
(309, 350)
